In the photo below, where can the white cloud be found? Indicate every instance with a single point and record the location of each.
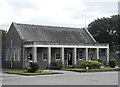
(49, 12)
(100, 0)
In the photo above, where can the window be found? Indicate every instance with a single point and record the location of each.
(14, 55)
(65, 56)
(91, 56)
(18, 54)
(80, 55)
(44, 56)
(7, 54)
(58, 56)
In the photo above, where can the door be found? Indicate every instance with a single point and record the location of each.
(70, 58)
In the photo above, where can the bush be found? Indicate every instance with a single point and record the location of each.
(91, 64)
(94, 59)
(100, 60)
(112, 63)
(33, 67)
(56, 65)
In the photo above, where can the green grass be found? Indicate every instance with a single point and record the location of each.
(73, 69)
(84, 70)
(26, 73)
(23, 72)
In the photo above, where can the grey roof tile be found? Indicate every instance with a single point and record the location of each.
(53, 34)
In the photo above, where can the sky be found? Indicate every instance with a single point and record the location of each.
(67, 13)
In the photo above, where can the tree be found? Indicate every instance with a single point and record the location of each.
(106, 30)
(2, 38)
(4, 33)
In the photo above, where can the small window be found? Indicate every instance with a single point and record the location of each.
(45, 56)
(58, 56)
(65, 56)
(14, 55)
(80, 55)
(7, 54)
(18, 54)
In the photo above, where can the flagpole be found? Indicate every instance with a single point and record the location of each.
(85, 21)
(84, 18)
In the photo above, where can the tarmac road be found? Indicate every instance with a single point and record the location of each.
(67, 78)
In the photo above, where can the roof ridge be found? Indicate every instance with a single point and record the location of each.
(49, 26)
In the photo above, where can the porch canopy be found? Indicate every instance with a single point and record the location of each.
(49, 46)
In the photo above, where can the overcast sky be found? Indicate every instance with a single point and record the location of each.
(67, 13)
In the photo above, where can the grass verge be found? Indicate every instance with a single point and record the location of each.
(22, 72)
(91, 70)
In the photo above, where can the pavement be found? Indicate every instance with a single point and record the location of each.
(67, 78)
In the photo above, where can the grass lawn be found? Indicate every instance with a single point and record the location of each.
(91, 70)
(23, 72)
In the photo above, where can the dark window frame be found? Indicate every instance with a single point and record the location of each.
(57, 56)
(80, 55)
(44, 56)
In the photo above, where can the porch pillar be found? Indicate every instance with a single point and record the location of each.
(107, 56)
(62, 56)
(23, 57)
(75, 60)
(86, 52)
(34, 54)
(49, 56)
(26, 63)
(97, 53)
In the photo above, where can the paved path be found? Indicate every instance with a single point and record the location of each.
(68, 78)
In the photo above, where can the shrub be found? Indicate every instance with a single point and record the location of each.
(33, 67)
(112, 63)
(91, 64)
(100, 60)
(94, 59)
(56, 65)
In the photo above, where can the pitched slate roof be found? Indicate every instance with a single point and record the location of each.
(54, 34)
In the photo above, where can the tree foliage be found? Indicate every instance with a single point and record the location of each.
(4, 33)
(3, 36)
(107, 30)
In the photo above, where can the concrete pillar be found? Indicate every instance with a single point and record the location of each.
(23, 58)
(97, 53)
(34, 54)
(86, 52)
(11, 55)
(75, 59)
(107, 56)
(62, 55)
(26, 62)
(49, 56)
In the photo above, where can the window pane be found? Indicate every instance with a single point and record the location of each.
(45, 56)
(80, 55)
(57, 56)
(65, 56)
(18, 54)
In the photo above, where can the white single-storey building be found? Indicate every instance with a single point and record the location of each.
(42, 44)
